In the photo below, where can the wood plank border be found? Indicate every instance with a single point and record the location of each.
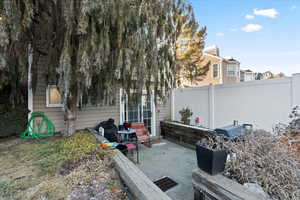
(183, 134)
(220, 187)
(138, 183)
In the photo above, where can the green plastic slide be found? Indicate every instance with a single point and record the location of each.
(38, 126)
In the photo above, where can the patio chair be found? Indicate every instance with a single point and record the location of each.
(131, 147)
(131, 142)
(142, 133)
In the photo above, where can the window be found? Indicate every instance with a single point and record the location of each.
(184, 41)
(53, 97)
(216, 70)
(232, 70)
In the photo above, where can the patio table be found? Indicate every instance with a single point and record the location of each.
(126, 134)
(126, 137)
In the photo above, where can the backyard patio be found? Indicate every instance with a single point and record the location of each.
(167, 159)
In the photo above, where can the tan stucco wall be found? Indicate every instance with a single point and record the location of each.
(208, 79)
(223, 76)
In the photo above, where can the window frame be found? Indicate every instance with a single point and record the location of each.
(48, 104)
(235, 71)
(213, 71)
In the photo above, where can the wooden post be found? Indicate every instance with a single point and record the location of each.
(211, 102)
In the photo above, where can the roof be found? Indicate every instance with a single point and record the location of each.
(231, 59)
(213, 47)
(218, 57)
(268, 72)
(247, 70)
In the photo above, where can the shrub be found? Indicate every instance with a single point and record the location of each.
(12, 121)
(263, 159)
(293, 128)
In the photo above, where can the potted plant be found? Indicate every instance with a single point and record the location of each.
(186, 113)
(211, 155)
(197, 121)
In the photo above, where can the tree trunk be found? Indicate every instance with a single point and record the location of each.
(71, 113)
(70, 122)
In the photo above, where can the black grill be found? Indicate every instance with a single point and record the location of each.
(234, 131)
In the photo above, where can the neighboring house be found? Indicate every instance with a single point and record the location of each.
(264, 76)
(222, 70)
(47, 99)
(268, 75)
(259, 76)
(280, 75)
(247, 75)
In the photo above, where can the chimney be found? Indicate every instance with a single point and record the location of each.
(212, 50)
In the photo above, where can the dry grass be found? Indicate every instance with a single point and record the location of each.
(263, 159)
(31, 169)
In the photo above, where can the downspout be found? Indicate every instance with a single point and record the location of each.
(122, 109)
(29, 84)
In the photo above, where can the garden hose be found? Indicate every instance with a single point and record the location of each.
(38, 126)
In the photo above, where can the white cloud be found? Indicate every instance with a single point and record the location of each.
(252, 28)
(233, 29)
(249, 16)
(220, 34)
(271, 13)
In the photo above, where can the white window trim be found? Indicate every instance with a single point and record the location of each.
(236, 71)
(221, 72)
(213, 69)
(124, 100)
(47, 98)
(29, 86)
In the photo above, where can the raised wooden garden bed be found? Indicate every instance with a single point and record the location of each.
(183, 134)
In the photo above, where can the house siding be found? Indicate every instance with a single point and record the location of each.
(87, 116)
(163, 112)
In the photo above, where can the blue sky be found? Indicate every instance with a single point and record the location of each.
(262, 34)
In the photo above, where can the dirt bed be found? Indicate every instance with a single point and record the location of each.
(57, 168)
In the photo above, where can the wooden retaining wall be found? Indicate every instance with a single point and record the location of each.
(183, 134)
(219, 187)
(140, 186)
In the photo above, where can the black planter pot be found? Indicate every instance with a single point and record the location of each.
(211, 161)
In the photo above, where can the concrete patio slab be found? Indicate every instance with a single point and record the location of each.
(171, 160)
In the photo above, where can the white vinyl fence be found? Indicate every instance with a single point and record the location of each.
(262, 103)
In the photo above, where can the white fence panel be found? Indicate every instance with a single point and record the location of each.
(196, 99)
(261, 103)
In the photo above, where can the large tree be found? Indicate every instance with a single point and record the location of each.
(92, 47)
(191, 63)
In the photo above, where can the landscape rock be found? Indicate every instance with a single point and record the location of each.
(255, 188)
